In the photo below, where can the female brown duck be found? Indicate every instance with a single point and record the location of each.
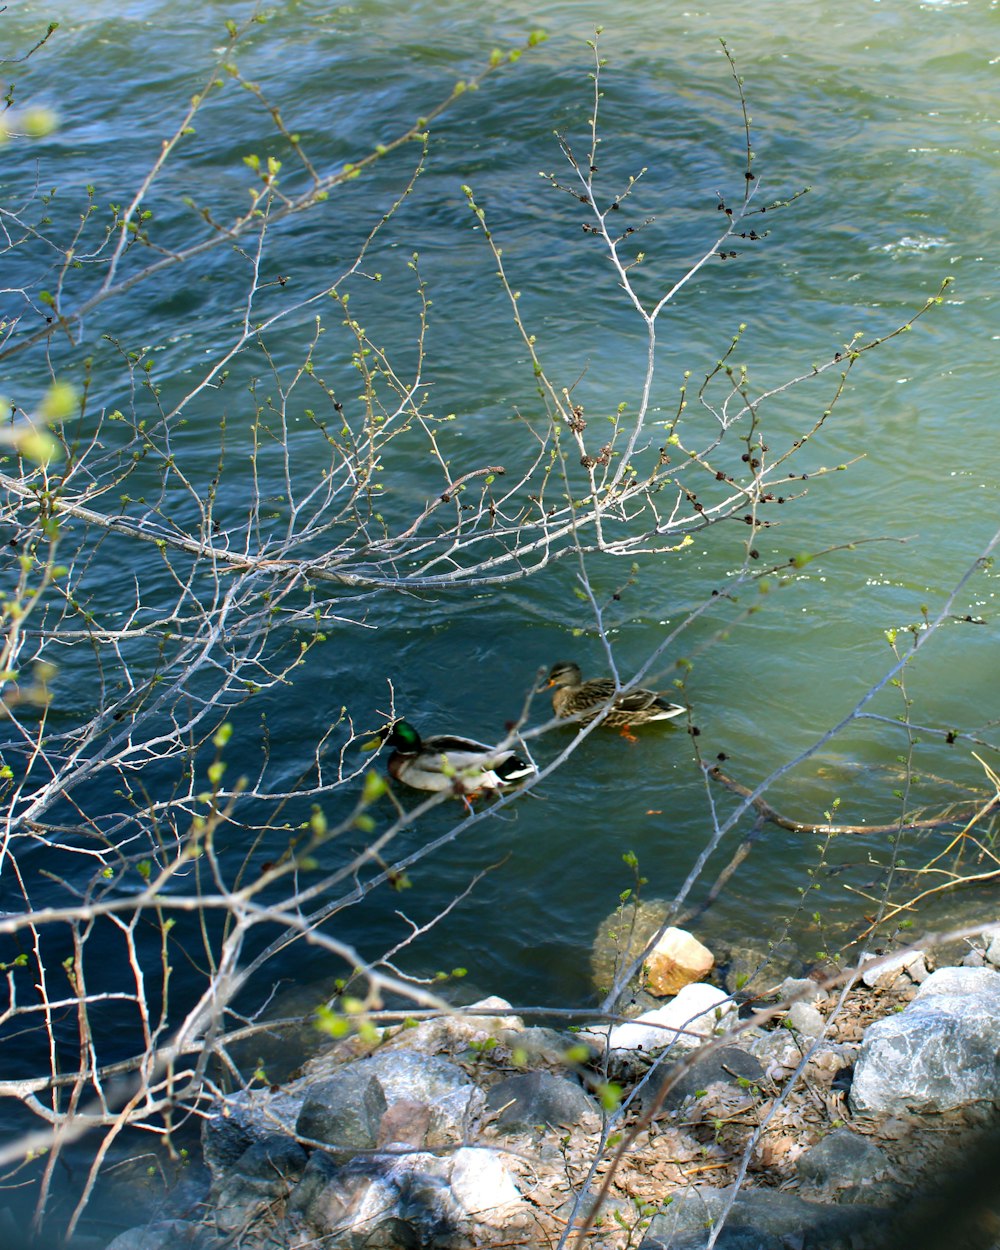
(583, 700)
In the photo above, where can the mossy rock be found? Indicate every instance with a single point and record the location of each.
(621, 938)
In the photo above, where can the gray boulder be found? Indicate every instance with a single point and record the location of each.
(264, 1174)
(541, 1046)
(453, 1100)
(167, 1235)
(938, 1054)
(241, 1120)
(342, 1202)
(762, 1219)
(409, 1074)
(729, 1065)
(534, 1098)
(412, 1199)
(344, 1112)
(842, 1159)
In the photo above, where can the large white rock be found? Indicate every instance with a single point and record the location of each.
(699, 1011)
(677, 959)
(481, 1183)
(938, 1054)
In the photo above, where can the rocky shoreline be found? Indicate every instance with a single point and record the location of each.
(811, 1117)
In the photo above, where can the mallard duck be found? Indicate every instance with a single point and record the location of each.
(583, 700)
(448, 762)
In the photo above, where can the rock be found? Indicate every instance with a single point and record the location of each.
(481, 1183)
(677, 959)
(414, 1199)
(993, 951)
(938, 1054)
(537, 1098)
(799, 990)
(175, 1234)
(729, 1065)
(454, 1101)
(777, 1050)
(828, 1060)
(960, 981)
(243, 1118)
(342, 1202)
(753, 969)
(841, 1159)
(760, 1219)
(405, 1123)
(698, 1011)
(622, 937)
(453, 1034)
(409, 1074)
(805, 1020)
(345, 1111)
(264, 1174)
(537, 1045)
(889, 972)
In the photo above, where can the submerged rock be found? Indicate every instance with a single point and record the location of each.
(755, 969)
(622, 937)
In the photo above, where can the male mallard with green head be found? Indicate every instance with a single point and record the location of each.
(583, 700)
(448, 762)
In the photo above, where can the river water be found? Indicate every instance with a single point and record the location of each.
(888, 112)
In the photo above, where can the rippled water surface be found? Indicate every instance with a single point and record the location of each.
(889, 114)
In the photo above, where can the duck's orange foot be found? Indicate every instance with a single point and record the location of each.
(628, 735)
(468, 797)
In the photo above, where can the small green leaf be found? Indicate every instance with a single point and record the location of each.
(374, 788)
(609, 1095)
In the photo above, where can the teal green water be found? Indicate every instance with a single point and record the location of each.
(888, 112)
